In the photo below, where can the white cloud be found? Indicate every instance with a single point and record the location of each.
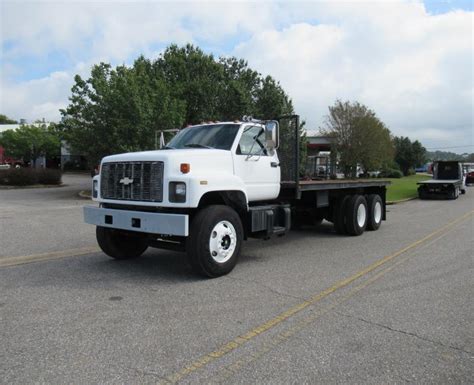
(36, 99)
(414, 69)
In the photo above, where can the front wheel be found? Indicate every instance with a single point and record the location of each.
(213, 246)
(120, 244)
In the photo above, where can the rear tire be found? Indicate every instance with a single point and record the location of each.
(339, 217)
(119, 244)
(453, 193)
(356, 215)
(215, 240)
(375, 211)
(422, 193)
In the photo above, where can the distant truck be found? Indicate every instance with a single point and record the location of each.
(448, 181)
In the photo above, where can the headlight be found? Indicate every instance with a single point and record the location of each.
(95, 189)
(177, 192)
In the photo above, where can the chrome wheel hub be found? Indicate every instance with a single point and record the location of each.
(222, 242)
(377, 212)
(361, 215)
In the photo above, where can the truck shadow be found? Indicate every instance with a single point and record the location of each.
(172, 267)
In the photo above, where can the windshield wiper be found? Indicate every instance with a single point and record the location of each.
(197, 145)
(168, 148)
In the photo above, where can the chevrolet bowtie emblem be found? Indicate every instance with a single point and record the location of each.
(126, 181)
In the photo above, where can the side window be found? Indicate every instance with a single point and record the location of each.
(252, 141)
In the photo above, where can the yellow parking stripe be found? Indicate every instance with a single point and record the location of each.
(241, 340)
(227, 371)
(23, 259)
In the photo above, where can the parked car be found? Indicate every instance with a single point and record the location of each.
(469, 172)
(95, 171)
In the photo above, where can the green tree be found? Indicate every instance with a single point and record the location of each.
(6, 120)
(120, 109)
(29, 142)
(470, 157)
(360, 138)
(408, 154)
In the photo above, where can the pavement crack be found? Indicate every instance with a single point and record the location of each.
(142, 372)
(411, 334)
(268, 288)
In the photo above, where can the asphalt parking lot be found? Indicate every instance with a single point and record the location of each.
(392, 306)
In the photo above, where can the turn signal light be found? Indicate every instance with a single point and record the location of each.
(185, 168)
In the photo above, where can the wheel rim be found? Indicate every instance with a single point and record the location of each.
(361, 215)
(222, 241)
(377, 212)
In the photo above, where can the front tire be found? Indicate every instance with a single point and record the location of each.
(119, 244)
(215, 240)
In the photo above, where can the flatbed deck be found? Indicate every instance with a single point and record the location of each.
(441, 181)
(333, 184)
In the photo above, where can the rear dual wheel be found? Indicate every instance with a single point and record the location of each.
(354, 214)
(375, 207)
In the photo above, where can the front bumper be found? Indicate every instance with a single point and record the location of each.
(143, 222)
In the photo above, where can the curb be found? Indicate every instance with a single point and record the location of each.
(32, 186)
(85, 194)
(400, 201)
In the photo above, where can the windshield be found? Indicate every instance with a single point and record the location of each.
(220, 136)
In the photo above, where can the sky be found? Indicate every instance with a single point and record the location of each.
(409, 61)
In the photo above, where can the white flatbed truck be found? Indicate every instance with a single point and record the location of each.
(216, 185)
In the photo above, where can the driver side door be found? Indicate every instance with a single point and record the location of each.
(259, 170)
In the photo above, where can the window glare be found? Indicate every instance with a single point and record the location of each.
(219, 136)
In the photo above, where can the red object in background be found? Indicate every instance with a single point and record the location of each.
(8, 160)
(470, 177)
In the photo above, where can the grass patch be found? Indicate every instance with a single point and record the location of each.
(404, 188)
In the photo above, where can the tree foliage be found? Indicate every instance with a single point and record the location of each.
(119, 109)
(360, 138)
(408, 154)
(6, 120)
(446, 155)
(29, 142)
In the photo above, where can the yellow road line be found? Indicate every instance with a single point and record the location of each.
(23, 259)
(233, 368)
(244, 338)
(227, 371)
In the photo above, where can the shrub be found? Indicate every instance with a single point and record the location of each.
(411, 171)
(49, 176)
(391, 173)
(29, 176)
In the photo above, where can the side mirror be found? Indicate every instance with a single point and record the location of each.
(272, 135)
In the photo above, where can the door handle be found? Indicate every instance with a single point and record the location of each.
(274, 164)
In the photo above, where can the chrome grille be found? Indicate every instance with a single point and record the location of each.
(133, 181)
